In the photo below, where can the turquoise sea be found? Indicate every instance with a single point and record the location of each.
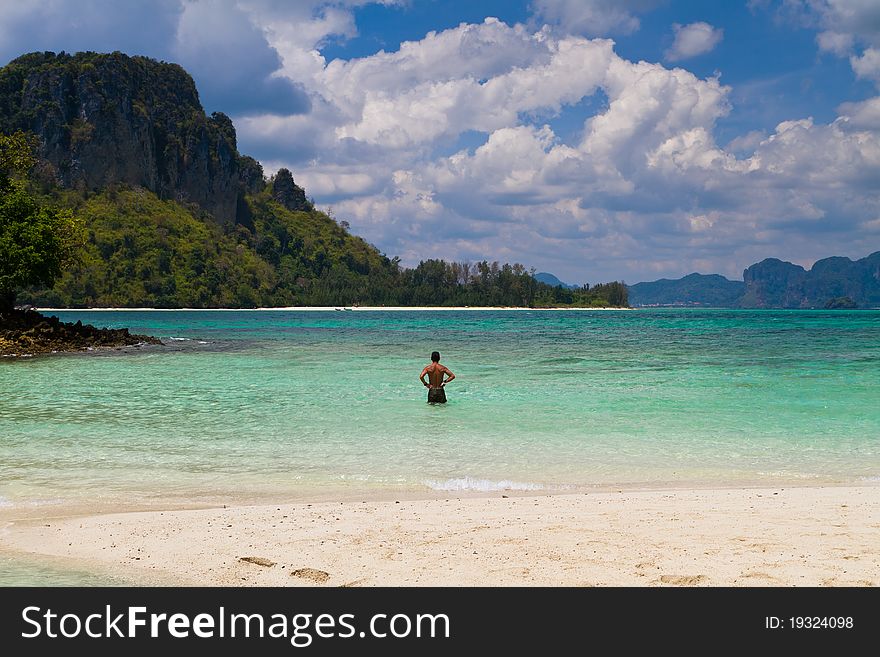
(255, 405)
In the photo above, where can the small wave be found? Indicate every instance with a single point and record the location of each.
(45, 502)
(180, 339)
(562, 360)
(482, 485)
(787, 474)
(4, 502)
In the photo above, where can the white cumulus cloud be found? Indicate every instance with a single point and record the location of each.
(862, 115)
(692, 40)
(593, 17)
(644, 179)
(868, 65)
(846, 28)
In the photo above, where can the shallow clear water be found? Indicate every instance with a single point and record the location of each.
(246, 405)
(32, 571)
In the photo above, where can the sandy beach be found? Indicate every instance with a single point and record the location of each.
(809, 536)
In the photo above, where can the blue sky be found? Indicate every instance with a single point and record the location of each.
(596, 139)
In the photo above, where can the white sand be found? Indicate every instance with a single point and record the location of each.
(820, 536)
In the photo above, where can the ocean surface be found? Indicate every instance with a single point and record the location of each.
(257, 405)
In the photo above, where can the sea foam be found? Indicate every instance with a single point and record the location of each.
(482, 485)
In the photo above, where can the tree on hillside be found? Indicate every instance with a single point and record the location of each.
(36, 242)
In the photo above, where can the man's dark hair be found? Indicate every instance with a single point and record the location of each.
(435, 356)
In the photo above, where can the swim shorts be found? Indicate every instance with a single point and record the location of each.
(436, 396)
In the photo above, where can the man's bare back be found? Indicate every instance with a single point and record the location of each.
(435, 372)
(438, 376)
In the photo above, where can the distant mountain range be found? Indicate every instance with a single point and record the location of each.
(834, 282)
(692, 290)
(550, 279)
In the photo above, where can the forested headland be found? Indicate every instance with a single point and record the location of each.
(172, 215)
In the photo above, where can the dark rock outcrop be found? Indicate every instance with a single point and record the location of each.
(288, 193)
(27, 332)
(841, 303)
(106, 119)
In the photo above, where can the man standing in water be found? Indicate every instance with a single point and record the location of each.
(435, 373)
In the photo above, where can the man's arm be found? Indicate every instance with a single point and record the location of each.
(449, 374)
(422, 376)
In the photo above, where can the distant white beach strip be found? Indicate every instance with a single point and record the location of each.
(331, 309)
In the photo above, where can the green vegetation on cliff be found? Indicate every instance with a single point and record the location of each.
(142, 251)
(36, 240)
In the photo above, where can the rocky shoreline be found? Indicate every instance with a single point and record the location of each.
(27, 333)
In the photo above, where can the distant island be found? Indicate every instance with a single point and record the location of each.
(174, 216)
(550, 279)
(831, 283)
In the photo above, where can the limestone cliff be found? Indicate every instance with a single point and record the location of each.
(110, 118)
(772, 283)
(288, 193)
